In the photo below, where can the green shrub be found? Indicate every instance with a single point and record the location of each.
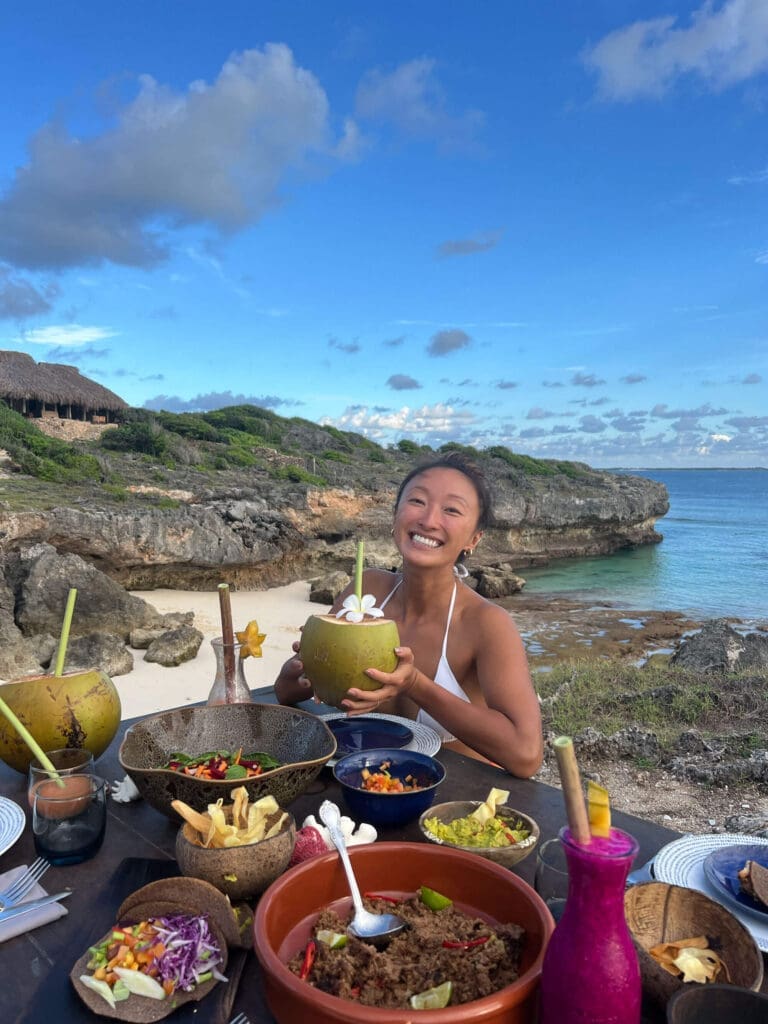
(144, 438)
(407, 446)
(297, 475)
(333, 456)
(38, 455)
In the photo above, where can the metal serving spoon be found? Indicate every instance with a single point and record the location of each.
(378, 929)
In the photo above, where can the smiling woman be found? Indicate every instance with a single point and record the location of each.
(461, 665)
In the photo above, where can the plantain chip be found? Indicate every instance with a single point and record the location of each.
(691, 959)
(246, 823)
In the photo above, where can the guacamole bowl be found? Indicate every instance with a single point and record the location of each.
(507, 856)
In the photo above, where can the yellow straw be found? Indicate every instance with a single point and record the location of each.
(359, 571)
(62, 652)
(31, 742)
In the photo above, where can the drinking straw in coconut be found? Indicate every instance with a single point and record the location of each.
(228, 642)
(575, 808)
(31, 742)
(64, 639)
(359, 573)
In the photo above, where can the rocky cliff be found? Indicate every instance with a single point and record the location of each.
(255, 531)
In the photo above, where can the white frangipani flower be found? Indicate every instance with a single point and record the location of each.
(355, 609)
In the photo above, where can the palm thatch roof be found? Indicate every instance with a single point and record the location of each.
(55, 383)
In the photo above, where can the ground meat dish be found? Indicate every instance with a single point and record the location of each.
(416, 959)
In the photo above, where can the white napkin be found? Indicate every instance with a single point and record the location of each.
(35, 918)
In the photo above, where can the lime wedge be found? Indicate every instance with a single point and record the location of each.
(336, 940)
(434, 998)
(139, 984)
(434, 900)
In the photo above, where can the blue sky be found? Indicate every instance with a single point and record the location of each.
(538, 224)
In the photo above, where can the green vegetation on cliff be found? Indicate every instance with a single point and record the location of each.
(177, 449)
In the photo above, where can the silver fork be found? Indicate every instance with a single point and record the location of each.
(13, 894)
(241, 1018)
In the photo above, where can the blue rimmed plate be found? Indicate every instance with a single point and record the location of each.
(424, 739)
(12, 822)
(722, 870)
(364, 733)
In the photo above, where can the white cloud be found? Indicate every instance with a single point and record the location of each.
(722, 45)
(214, 155)
(428, 421)
(64, 334)
(412, 99)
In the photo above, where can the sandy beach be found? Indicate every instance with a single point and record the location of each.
(280, 613)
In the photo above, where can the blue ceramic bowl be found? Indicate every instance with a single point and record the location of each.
(388, 808)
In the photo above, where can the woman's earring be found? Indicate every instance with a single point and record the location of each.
(460, 571)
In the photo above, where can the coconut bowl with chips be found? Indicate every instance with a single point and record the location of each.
(240, 849)
(659, 914)
(301, 742)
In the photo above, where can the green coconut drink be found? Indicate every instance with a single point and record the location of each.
(337, 649)
(62, 709)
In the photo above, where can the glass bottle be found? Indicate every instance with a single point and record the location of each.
(230, 685)
(591, 974)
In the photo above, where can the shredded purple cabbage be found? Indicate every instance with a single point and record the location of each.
(190, 950)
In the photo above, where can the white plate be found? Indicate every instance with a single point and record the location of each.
(12, 822)
(682, 863)
(425, 739)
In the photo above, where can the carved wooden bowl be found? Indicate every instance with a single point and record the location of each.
(301, 741)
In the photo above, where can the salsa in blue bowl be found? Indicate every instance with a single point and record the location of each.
(419, 774)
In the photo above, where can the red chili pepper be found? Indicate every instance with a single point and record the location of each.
(469, 944)
(309, 959)
(510, 837)
(378, 896)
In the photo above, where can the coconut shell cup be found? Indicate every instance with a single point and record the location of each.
(168, 896)
(657, 912)
(336, 653)
(240, 872)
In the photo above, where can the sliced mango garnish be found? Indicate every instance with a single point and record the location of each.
(599, 808)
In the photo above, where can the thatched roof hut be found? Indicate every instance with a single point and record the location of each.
(54, 390)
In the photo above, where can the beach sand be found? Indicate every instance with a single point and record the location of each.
(280, 612)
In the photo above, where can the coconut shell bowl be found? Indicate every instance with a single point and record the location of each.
(300, 741)
(508, 856)
(657, 912)
(240, 872)
(288, 909)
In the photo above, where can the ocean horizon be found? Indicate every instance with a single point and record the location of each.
(711, 563)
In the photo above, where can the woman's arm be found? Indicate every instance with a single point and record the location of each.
(508, 730)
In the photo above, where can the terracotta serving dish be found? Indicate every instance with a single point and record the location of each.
(287, 909)
(657, 912)
(301, 741)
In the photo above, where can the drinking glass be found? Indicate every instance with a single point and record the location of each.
(551, 878)
(69, 818)
(66, 761)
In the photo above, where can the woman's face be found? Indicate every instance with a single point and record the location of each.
(436, 517)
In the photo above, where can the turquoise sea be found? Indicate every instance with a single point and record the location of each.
(712, 562)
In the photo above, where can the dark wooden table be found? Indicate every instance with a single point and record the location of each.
(138, 848)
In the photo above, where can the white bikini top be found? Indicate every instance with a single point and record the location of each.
(443, 676)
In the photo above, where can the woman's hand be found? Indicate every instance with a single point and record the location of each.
(393, 684)
(291, 685)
